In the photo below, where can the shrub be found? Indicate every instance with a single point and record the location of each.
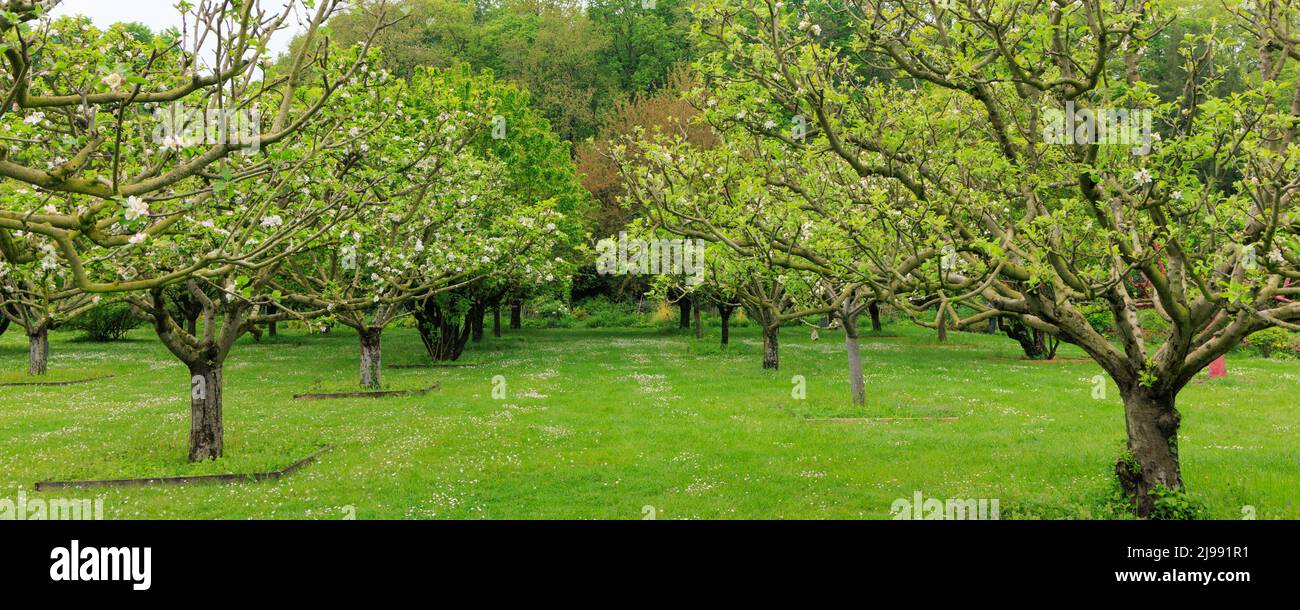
(613, 319)
(107, 322)
(1274, 343)
(550, 312)
(600, 312)
(550, 307)
(664, 313)
(1153, 323)
(548, 323)
(1175, 505)
(1100, 319)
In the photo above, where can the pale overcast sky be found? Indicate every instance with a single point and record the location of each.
(157, 14)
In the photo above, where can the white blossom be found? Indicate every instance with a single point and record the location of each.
(114, 81)
(136, 208)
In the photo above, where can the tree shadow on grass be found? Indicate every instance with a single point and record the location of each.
(433, 365)
(83, 340)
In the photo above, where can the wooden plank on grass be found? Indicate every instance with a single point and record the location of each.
(883, 420)
(395, 394)
(431, 365)
(213, 478)
(52, 384)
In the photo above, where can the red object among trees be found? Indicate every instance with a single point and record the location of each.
(1219, 368)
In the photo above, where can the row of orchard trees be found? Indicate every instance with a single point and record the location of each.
(901, 151)
(211, 189)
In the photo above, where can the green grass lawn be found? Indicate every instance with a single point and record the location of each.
(601, 423)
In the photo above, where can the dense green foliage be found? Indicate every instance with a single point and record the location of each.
(106, 322)
(576, 63)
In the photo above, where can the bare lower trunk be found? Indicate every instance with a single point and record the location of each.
(1050, 344)
(496, 321)
(874, 310)
(516, 316)
(477, 314)
(771, 345)
(206, 431)
(1032, 341)
(443, 333)
(855, 360)
(943, 327)
(271, 329)
(725, 314)
(371, 357)
(699, 324)
(38, 351)
(1151, 463)
(203, 356)
(685, 306)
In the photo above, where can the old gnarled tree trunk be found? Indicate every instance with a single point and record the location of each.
(371, 357)
(38, 350)
(874, 310)
(207, 428)
(850, 322)
(477, 319)
(443, 333)
(771, 347)
(1150, 464)
(224, 322)
(516, 315)
(725, 312)
(769, 321)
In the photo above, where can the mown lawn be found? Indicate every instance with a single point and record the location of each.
(602, 423)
